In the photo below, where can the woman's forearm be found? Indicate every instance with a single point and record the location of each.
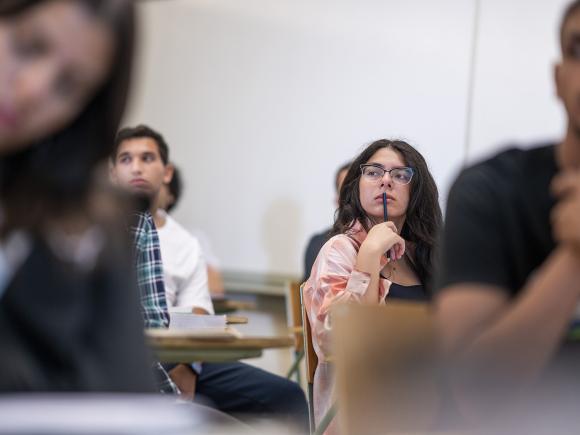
(510, 352)
(368, 260)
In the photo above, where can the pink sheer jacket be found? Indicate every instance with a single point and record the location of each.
(333, 280)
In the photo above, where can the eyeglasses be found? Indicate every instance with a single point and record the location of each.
(373, 172)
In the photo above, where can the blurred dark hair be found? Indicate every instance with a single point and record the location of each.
(175, 188)
(53, 175)
(142, 131)
(570, 10)
(343, 167)
(423, 217)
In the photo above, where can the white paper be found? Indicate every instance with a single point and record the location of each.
(178, 320)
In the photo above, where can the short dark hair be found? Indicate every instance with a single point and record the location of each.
(423, 218)
(175, 187)
(142, 131)
(570, 10)
(343, 167)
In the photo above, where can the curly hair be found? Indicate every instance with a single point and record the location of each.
(423, 217)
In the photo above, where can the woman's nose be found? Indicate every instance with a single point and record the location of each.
(387, 180)
(33, 85)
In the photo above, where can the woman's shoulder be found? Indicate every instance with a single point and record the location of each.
(340, 243)
(339, 239)
(336, 257)
(352, 238)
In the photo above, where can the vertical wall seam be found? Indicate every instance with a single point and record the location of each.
(471, 81)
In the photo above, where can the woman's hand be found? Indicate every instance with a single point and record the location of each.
(383, 237)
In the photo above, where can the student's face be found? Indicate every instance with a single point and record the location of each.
(52, 59)
(568, 71)
(371, 192)
(138, 167)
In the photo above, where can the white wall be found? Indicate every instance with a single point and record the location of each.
(261, 100)
(515, 101)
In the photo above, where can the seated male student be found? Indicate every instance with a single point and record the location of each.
(152, 291)
(148, 268)
(509, 284)
(234, 388)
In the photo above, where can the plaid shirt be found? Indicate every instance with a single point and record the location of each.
(151, 288)
(150, 272)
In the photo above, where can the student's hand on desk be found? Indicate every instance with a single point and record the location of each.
(198, 310)
(382, 238)
(566, 213)
(185, 379)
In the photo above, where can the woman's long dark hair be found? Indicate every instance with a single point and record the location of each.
(423, 217)
(53, 175)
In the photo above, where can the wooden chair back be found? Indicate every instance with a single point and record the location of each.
(294, 314)
(311, 361)
(311, 357)
(387, 368)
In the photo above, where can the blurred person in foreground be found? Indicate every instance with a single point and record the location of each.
(509, 283)
(68, 314)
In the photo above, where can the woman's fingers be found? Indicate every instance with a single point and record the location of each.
(398, 249)
(401, 249)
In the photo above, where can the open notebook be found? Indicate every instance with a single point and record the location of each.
(183, 319)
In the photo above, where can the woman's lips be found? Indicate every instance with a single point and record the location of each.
(379, 198)
(8, 118)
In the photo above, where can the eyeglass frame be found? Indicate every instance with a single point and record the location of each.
(375, 165)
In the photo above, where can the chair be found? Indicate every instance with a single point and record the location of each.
(311, 364)
(294, 316)
(311, 360)
(387, 368)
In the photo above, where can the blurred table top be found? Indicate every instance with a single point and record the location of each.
(223, 305)
(180, 346)
(100, 413)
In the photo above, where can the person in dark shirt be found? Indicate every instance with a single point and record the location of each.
(318, 240)
(509, 281)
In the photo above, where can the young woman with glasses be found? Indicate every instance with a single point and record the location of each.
(369, 260)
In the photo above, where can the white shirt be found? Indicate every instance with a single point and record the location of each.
(184, 267)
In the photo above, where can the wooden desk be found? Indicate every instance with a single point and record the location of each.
(222, 305)
(178, 346)
(236, 320)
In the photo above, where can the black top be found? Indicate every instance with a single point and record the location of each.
(312, 249)
(497, 228)
(67, 329)
(408, 292)
(498, 231)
